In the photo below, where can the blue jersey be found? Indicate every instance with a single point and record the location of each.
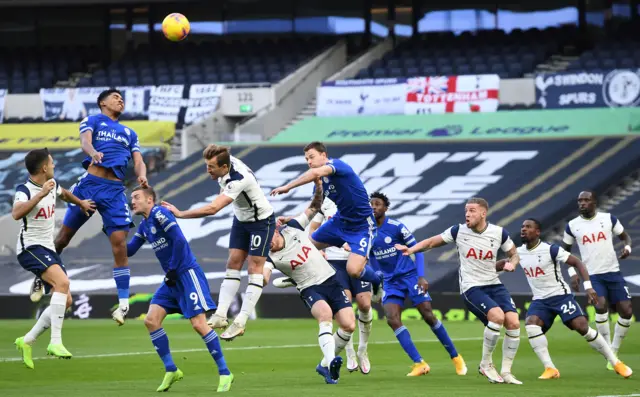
(161, 230)
(387, 258)
(346, 189)
(114, 140)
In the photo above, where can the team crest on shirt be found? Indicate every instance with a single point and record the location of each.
(153, 230)
(387, 240)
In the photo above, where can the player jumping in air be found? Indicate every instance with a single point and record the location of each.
(251, 233)
(34, 206)
(404, 277)
(109, 146)
(353, 224)
(552, 297)
(184, 290)
(293, 254)
(485, 296)
(593, 231)
(354, 288)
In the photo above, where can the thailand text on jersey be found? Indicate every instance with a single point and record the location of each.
(541, 265)
(299, 258)
(347, 191)
(38, 226)
(249, 201)
(385, 256)
(477, 253)
(116, 141)
(161, 230)
(327, 211)
(594, 237)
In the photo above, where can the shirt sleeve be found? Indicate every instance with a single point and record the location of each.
(339, 167)
(451, 234)
(134, 145)
(22, 194)
(58, 189)
(506, 242)
(87, 124)
(235, 188)
(616, 226)
(406, 236)
(178, 243)
(568, 238)
(559, 254)
(136, 242)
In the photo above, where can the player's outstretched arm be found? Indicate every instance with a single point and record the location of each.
(23, 204)
(626, 250)
(87, 206)
(210, 209)
(424, 245)
(140, 169)
(134, 245)
(308, 177)
(316, 201)
(576, 263)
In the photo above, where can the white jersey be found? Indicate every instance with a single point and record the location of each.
(477, 253)
(249, 201)
(327, 211)
(300, 259)
(595, 240)
(541, 265)
(38, 226)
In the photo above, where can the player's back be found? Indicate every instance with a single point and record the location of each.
(390, 261)
(300, 259)
(115, 141)
(38, 226)
(541, 265)
(477, 253)
(251, 204)
(346, 189)
(594, 238)
(161, 230)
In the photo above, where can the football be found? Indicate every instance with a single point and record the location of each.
(175, 27)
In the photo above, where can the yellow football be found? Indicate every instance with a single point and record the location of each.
(176, 27)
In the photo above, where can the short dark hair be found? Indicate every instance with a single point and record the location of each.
(35, 159)
(480, 201)
(319, 146)
(381, 196)
(104, 94)
(221, 153)
(594, 196)
(535, 222)
(146, 191)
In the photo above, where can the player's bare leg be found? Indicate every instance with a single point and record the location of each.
(357, 268)
(392, 313)
(625, 311)
(510, 346)
(352, 359)
(210, 338)
(229, 288)
(365, 318)
(121, 274)
(153, 322)
(540, 345)
(441, 333)
(598, 343)
(252, 295)
(495, 321)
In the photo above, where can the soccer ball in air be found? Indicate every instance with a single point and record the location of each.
(176, 27)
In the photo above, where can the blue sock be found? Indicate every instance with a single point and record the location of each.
(443, 337)
(161, 343)
(122, 275)
(213, 346)
(404, 338)
(369, 275)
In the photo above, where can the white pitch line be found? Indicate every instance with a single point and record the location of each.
(152, 352)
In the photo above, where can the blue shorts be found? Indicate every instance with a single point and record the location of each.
(479, 300)
(253, 237)
(336, 232)
(396, 290)
(547, 309)
(111, 203)
(356, 286)
(37, 259)
(330, 291)
(611, 286)
(190, 296)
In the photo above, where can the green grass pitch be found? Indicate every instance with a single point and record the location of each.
(278, 358)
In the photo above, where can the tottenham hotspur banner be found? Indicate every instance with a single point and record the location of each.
(178, 103)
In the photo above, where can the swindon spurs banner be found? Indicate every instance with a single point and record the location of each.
(415, 95)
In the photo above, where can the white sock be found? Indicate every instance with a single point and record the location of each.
(510, 345)
(43, 324)
(341, 339)
(326, 342)
(349, 348)
(597, 342)
(539, 344)
(58, 306)
(619, 332)
(251, 297)
(602, 324)
(228, 290)
(491, 336)
(123, 303)
(364, 326)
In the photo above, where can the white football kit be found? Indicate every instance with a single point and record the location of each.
(38, 226)
(541, 265)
